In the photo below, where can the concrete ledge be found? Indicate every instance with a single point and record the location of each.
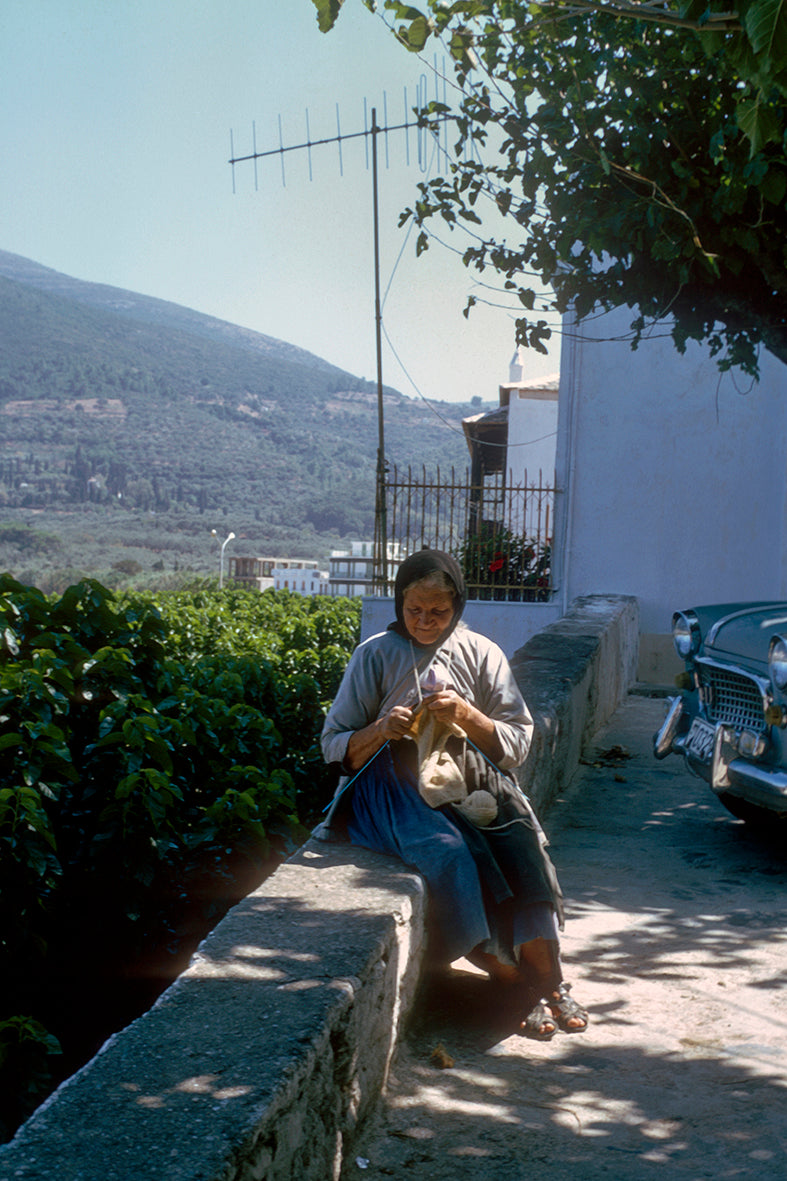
(261, 1060)
(573, 675)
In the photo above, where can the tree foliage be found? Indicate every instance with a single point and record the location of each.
(153, 750)
(636, 155)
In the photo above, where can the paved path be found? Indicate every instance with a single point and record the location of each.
(676, 941)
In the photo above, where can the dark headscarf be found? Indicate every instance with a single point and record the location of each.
(416, 567)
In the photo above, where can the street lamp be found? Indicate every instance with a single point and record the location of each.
(229, 537)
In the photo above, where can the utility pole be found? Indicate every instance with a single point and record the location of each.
(380, 510)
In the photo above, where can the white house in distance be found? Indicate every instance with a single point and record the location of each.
(302, 579)
(267, 573)
(352, 570)
(532, 420)
(518, 440)
(523, 429)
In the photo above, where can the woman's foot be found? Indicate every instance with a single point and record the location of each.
(555, 1010)
(539, 1024)
(570, 1016)
(539, 961)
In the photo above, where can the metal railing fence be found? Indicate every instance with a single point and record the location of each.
(500, 530)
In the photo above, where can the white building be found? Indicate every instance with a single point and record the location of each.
(259, 573)
(671, 479)
(518, 442)
(352, 570)
(303, 579)
(532, 420)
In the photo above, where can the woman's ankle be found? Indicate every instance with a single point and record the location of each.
(502, 973)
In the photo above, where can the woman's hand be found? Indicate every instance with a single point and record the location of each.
(396, 723)
(448, 707)
(366, 742)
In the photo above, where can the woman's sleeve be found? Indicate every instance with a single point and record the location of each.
(506, 707)
(355, 705)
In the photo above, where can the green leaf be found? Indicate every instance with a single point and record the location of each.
(416, 33)
(327, 13)
(10, 641)
(766, 25)
(759, 122)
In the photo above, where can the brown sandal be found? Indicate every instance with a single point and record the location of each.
(539, 1017)
(566, 1009)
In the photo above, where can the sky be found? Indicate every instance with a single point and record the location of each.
(117, 123)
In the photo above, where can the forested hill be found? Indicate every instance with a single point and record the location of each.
(115, 398)
(148, 310)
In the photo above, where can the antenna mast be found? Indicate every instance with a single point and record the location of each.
(380, 576)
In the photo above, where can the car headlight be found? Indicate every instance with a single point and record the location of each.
(686, 634)
(777, 662)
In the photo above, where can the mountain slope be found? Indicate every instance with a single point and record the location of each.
(115, 400)
(147, 309)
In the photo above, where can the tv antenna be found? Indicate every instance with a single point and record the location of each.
(371, 135)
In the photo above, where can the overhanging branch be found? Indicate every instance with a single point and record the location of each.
(718, 22)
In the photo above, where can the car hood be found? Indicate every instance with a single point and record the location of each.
(742, 634)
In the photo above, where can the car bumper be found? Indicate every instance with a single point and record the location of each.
(726, 771)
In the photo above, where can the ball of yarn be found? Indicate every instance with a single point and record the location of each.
(480, 808)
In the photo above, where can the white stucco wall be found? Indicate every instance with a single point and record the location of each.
(673, 475)
(532, 435)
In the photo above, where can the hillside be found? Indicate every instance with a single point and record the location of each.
(116, 406)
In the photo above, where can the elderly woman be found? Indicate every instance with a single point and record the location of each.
(427, 724)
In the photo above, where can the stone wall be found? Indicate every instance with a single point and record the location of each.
(262, 1059)
(573, 675)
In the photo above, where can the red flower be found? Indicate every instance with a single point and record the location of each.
(498, 564)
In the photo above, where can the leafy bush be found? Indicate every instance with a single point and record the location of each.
(25, 1050)
(151, 747)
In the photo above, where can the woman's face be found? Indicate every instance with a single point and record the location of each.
(427, 613)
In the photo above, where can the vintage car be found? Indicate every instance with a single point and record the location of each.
(730, 720)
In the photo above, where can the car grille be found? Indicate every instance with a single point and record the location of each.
(731, 697)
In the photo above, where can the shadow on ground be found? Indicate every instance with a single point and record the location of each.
(675, 940)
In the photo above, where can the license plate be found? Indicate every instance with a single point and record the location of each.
(699, 741)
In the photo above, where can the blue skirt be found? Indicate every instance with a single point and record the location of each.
(478, 900)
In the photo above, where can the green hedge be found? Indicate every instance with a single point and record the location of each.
(153, 748)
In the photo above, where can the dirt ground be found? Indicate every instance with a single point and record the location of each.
(675, 941)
